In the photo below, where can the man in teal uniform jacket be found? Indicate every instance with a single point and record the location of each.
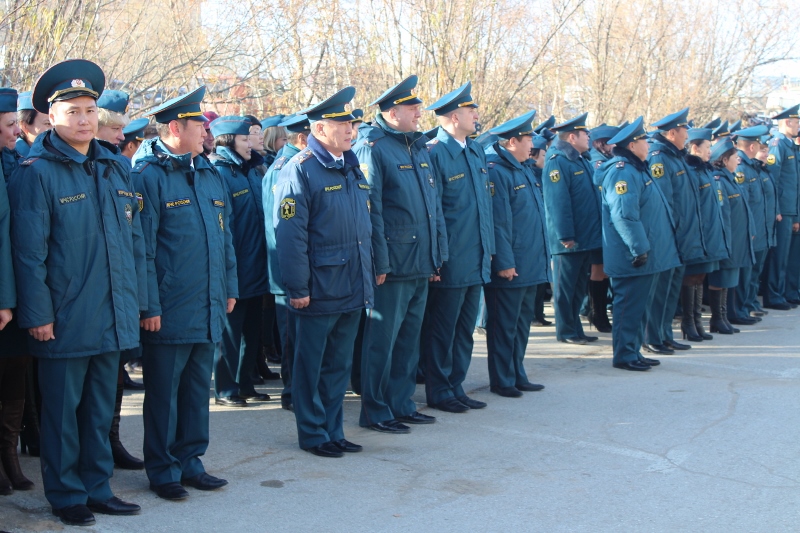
(191, 284)
(462, 181)
(79, 259)
(323, 243)
(668, 168)
(573, 224)
(409, 243)
(521, 262)
(638, 242)
(783, 163)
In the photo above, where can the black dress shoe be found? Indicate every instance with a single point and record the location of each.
(450, 405)
(675, 345)
(416, 418)
(778, 306)
(256, 397)
(659, 349)
(648, 361)
(529, 387)
(469, 402)
(230, 401)
(741, 321)
(507, 392)
(286, 403)
(574, 340)
(114, 506)
(347, 446)
(170, 491)
(636, 366)
(203, 481)
(541, 322)
(396, 424)
(129, 384)
(386, 427)
(590, 338)
(326, 449)
(75, 515)
(792, 301)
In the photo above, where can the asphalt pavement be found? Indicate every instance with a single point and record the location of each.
(708, 441)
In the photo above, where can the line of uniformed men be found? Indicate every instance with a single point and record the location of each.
(407, 226)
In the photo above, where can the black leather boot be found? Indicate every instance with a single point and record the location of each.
(717, 324)
(688, 327)
(698, 313)
(724, 302)
(598, 305)
(10, 424)
(29, 435)
(122, 459)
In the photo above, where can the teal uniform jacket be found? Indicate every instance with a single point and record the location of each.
(749, 180)
(669, 170)
(738, 221)
(268, 201)
(78, 249)
(636, 220)
(783, 164)
(462, 182)
(519, 222)
(770, 193)
(22, 148)
(409, 240)
(597, 158)
(8, 289)
(191, 263)
(243, 181)
(710, 197)
(571, 202)
(323, 232)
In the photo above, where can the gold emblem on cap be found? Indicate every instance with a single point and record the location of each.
(78, 83)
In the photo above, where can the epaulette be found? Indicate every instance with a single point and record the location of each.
(28, 162)
(279, 162)
(491, 164)
(620, 164)
(597, 164)
(553, 156)
(655, 152)
(141, 165)
(774, 142)
(302, 157)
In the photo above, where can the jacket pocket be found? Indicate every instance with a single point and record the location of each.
(403, 244)
(330, 274)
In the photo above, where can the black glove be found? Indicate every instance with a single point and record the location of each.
(639, 260)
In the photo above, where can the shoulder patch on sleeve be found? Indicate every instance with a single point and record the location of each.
(280, 161)
(621, 187)
(657, 170)
(771, 159)
(29, 161)
(555, 176)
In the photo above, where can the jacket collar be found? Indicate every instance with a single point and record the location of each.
(567, 149)
(325, 158)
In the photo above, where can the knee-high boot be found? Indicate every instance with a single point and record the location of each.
(717, 323)
(688, 327)
(122, 459)
(698, 313)
(10, 426)
(598, 305)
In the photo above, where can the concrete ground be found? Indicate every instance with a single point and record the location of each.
(708, 441)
